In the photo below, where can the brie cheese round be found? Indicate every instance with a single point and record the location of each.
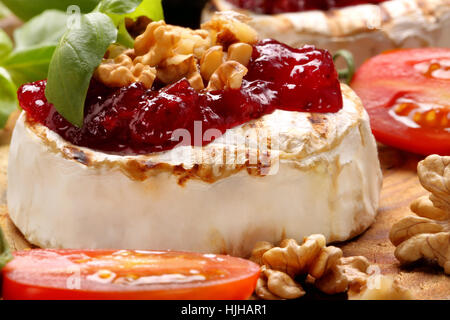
(365, 30)
(287, 174)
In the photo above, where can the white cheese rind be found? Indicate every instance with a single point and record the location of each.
(365, 30)
(61, 203)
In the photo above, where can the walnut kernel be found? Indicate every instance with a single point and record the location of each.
(228, 76)
(122, 71)
(323, 266)
(211, 60)
(388, 288)
(171, 53)
(231, 27)
(240, 52)
(427, 235)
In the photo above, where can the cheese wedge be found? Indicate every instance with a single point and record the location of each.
(365, 30)
(287, 174)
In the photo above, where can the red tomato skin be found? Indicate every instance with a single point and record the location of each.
(380, 80)
(13, 290)
(240, 288)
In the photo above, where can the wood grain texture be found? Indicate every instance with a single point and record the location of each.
(401, 186)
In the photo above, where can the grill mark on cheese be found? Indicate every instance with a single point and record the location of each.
(319, 123)
(140, 168)
(78, 155)
(255, 124)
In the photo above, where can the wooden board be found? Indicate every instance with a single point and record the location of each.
(401, 186)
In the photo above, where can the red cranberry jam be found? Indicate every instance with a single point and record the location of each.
(135, 120)
(282, 6)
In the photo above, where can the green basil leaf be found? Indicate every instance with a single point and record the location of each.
(35, 43)
(4, 12)
(79, 52)
(44, 29)
(119, 6)
(27, 9)
(123, 37)
(8, 103)
(5, 254)
(6, 45)
(29, 64)
(149, 8)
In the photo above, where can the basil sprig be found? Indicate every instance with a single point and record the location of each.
(4, 12)
(5, 253)
(28, 61)
(72, 53)
(82, 48)
(27, 9)
(6, 45)
(8, 101)
(79, 52)
(118, 6)
(44, 29)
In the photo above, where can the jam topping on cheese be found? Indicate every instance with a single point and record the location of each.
(136, 104)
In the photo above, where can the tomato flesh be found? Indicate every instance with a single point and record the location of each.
(407, 95)
(127, 274)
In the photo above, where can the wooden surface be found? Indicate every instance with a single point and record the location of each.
(400, 187)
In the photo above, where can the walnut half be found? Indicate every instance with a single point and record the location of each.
(388, 288)
(426, 235)
(230, 27)
(324, 266)
(277, 285)
(123, 71)
(228, 76)
(215, 56)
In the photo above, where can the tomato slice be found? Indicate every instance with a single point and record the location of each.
(407, 95)
(126, 274)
